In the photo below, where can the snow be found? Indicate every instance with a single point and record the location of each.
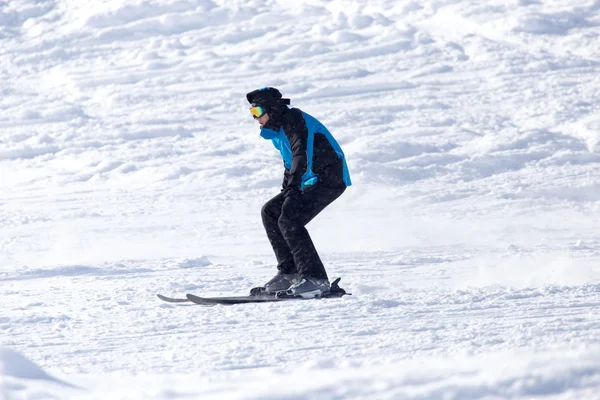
(130, 166)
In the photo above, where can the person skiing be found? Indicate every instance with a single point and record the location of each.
(315, 175)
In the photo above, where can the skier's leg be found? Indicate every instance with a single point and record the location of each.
(295, 214)
(270, 213)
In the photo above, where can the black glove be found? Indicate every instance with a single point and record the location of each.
(292, 192)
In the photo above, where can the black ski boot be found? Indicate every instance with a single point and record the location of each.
(278, 283)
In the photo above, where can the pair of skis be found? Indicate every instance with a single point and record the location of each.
(256, 296)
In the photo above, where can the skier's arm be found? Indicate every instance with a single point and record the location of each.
(297, 134)
(286, 176)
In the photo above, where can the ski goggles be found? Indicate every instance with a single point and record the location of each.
(257, 111)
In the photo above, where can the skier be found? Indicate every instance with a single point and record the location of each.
(315, 175)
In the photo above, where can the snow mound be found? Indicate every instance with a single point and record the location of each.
(195, 262)
(15, 365)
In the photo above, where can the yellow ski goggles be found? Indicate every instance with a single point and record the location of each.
(257, 111)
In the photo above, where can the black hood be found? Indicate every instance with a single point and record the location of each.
(271, 100)
(267, 98)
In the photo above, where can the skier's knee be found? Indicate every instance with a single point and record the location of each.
(266, 211)
(285, 224)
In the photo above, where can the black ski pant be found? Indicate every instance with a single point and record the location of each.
(285, 221)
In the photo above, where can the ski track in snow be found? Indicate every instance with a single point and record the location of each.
(129, 166)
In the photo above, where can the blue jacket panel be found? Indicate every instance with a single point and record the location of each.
(314, 127)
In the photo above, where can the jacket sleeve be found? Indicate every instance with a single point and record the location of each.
(286, 177)
(297, 134)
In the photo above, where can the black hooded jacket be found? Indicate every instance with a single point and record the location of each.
(326, 163)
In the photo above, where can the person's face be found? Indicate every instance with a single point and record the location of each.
(263, 119)
(259, 113)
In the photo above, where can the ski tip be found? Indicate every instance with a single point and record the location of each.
(171, 299)
(200, 300)
(193, 297)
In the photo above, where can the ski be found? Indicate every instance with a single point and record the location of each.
(229, 300)
(257, 295)
(171, 299)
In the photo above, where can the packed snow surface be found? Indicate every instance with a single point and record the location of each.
(130, 166)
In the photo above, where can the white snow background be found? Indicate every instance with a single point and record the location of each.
(130, 166)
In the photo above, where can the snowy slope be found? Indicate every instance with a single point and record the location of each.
(130, 166)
